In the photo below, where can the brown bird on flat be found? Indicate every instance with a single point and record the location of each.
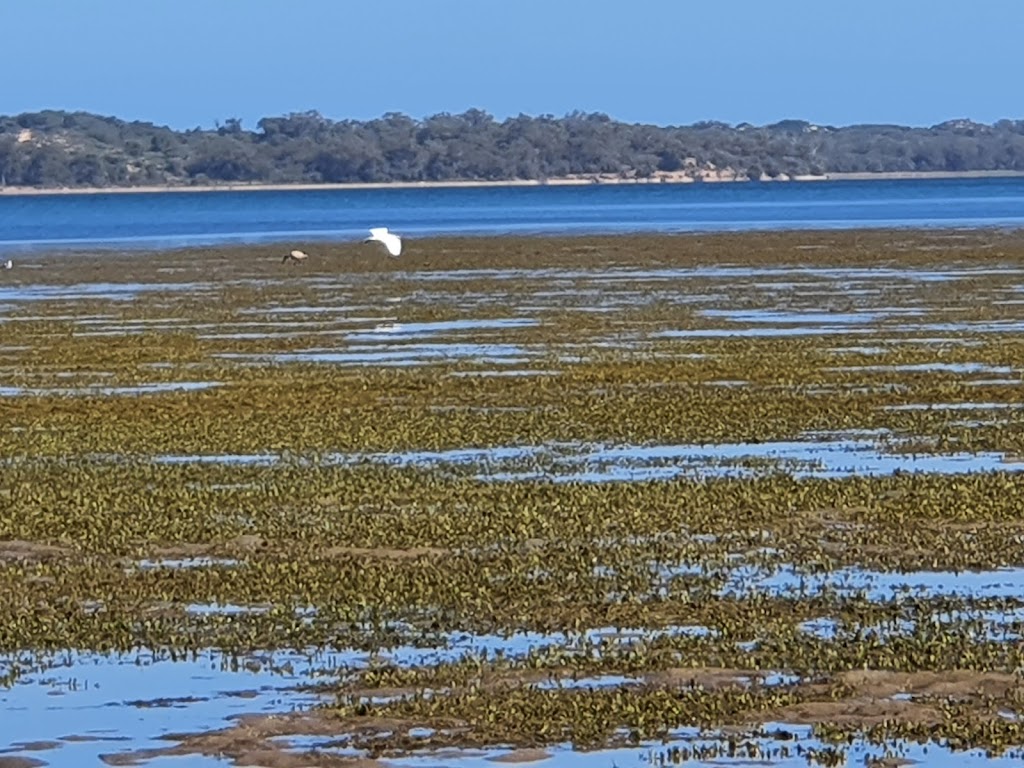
(295, 256)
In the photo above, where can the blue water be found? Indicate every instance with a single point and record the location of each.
(180, 219)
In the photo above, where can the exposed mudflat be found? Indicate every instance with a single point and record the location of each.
(548, 501)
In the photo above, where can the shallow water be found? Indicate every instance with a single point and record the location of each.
(926, 367)
(175, 219)
(992, 625)
(820, 319)
(401, 354)
(405, 330)
(820, 458)
(730, 273)
(823, 458)
(108, 291)
(512, 372)
(186, 562)
(880, 585)
(953, 407)
(94, 705)
(745, 332)
(90, 705)
(576, 462)
(787, 750)
(92, 391)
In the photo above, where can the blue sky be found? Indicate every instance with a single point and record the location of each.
(188, 63)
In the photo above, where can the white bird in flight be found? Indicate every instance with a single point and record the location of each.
(295, 256)
(8, 264)
(390, 240)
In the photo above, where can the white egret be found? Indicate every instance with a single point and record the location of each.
(390, 240)
(8, 264)
(295, 256)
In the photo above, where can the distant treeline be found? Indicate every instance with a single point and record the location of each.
(78, 149)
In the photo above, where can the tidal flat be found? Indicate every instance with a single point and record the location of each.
(639, 500)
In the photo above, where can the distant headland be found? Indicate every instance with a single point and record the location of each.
(77, 152)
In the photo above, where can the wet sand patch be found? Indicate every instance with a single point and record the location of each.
(18, 550)
(385, 553)
(521, 756)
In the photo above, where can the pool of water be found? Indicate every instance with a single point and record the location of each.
(576, 462)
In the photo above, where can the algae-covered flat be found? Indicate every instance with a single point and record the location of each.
(755, 496)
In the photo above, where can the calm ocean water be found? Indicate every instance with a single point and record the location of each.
(61, 222)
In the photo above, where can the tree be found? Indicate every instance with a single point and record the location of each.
(54, 148)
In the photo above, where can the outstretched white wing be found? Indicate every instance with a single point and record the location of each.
(390, 240)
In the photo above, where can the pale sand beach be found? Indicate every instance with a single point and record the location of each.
(710, 177)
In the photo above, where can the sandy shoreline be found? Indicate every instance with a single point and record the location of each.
(11, 191)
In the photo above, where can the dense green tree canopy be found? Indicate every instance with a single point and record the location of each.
(69, 149)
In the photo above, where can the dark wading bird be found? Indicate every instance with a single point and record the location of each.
(390, 240)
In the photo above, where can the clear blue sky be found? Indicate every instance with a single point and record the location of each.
(188, 63)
